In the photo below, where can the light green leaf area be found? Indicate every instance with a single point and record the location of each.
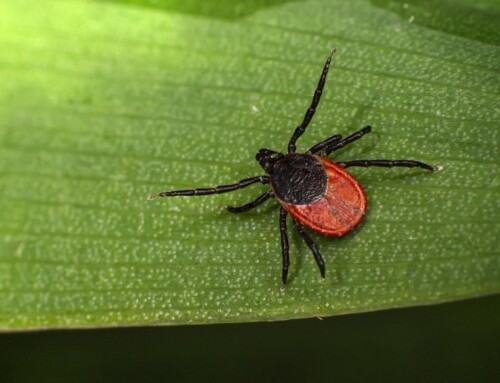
(104, 103)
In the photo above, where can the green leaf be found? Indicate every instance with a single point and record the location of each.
(104, 103)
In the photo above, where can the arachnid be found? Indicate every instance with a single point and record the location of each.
(317, 193)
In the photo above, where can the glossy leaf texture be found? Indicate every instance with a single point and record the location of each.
(103, 103)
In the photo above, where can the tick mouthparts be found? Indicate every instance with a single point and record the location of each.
(152, 197)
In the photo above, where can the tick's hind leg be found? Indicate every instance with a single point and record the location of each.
(312, 245)
(262, 198)
(284, 245)
(388, 164)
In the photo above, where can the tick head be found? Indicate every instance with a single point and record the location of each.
(267, 159)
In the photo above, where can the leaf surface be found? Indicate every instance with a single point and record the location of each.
(104, 103)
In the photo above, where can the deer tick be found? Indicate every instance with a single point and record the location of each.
(316, 192)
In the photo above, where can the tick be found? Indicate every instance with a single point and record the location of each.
(316, 192)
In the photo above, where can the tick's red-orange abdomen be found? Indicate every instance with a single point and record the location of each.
(341, 208)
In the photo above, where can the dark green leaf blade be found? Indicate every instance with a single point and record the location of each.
(103, 104)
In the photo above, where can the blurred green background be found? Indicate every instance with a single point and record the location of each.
(453, 342)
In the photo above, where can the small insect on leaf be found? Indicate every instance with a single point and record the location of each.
(316, 192)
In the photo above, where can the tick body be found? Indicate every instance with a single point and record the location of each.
(319, 194)
(316, 192)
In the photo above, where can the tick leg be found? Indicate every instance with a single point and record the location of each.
(284, 245)
(387, 164)
(216, 190)
(312, 245)
(323, 144)
(346, 141)
(312, 108)
(262, 198)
